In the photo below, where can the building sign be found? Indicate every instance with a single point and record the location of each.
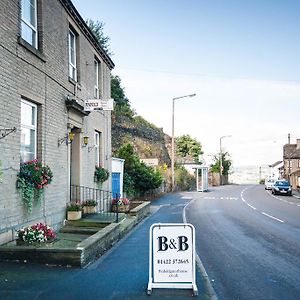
(172, 257)
(150, 162)
(98, 104)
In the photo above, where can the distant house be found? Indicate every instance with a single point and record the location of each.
(50, 63)
(291, 163)
(274, 170)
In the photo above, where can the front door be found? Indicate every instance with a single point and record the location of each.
(116, 191)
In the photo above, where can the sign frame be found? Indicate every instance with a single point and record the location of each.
(166, 277)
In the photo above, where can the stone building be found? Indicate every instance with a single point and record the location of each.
(49, 64)
(291, 163)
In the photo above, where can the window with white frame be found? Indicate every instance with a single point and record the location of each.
(29, 22)
(96, 78)
(28, 131)
(97, 148)
(72, 55)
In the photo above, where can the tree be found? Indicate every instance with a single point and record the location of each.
(122, 105)
(226, 163)
(188, 147)
(117, 91)
(97, 29)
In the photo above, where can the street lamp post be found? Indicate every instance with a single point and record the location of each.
(221, 166)
(173, 141)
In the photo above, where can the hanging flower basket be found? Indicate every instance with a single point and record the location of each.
(32, 179)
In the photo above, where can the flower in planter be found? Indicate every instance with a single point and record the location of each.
(89, 203)
(120, 201)
(74, 206)
(101, 174)
(39, 233)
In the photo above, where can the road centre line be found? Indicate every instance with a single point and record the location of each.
(267, 215)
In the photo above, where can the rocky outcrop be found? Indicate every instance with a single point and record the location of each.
(149, 141)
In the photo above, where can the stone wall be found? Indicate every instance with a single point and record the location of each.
(41, 77)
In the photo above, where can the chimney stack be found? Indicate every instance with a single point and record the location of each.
(289, 138)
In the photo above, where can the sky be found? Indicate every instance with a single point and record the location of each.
(241, 58)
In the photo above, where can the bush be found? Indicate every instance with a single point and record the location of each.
(184, 181)
(138, 177)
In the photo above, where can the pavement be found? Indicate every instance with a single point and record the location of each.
(121, 273)
(296, 194)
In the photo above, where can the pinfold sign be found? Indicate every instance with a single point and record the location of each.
(150, 162)
(98, 104)
(172, 257)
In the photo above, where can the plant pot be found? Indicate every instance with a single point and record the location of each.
(121, 208)
(74, 215)
(89, 209)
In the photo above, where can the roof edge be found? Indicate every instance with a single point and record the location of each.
(71, 9)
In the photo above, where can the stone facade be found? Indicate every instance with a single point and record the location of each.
(291, 163)
(41, 77)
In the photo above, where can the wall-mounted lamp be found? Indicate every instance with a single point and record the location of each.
(85, 141)
(68, 138)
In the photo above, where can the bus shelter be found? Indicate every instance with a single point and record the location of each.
(202, 179)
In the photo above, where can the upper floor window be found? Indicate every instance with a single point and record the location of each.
(72, 56)
(28, 130)
(96, 78)
(29, 22)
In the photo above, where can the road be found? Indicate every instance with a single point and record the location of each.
(248, 241)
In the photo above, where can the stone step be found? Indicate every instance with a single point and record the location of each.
(87, 223)
(79, 230)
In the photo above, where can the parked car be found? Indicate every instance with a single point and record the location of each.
(269, 183)
(282, 187)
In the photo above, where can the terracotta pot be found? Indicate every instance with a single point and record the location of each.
(74, 215)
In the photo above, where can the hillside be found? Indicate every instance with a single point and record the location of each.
(149, 141)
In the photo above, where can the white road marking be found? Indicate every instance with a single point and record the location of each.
(222, 198)
(186, 198)
(267, 215)
(251, 206)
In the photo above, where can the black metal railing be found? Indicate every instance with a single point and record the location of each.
(80, 194)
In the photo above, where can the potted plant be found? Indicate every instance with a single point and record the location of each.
(89, 206)
(35, 234)
(120, 205)
(101, 174)
(74, 211)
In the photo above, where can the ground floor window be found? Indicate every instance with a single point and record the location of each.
(28, 131)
